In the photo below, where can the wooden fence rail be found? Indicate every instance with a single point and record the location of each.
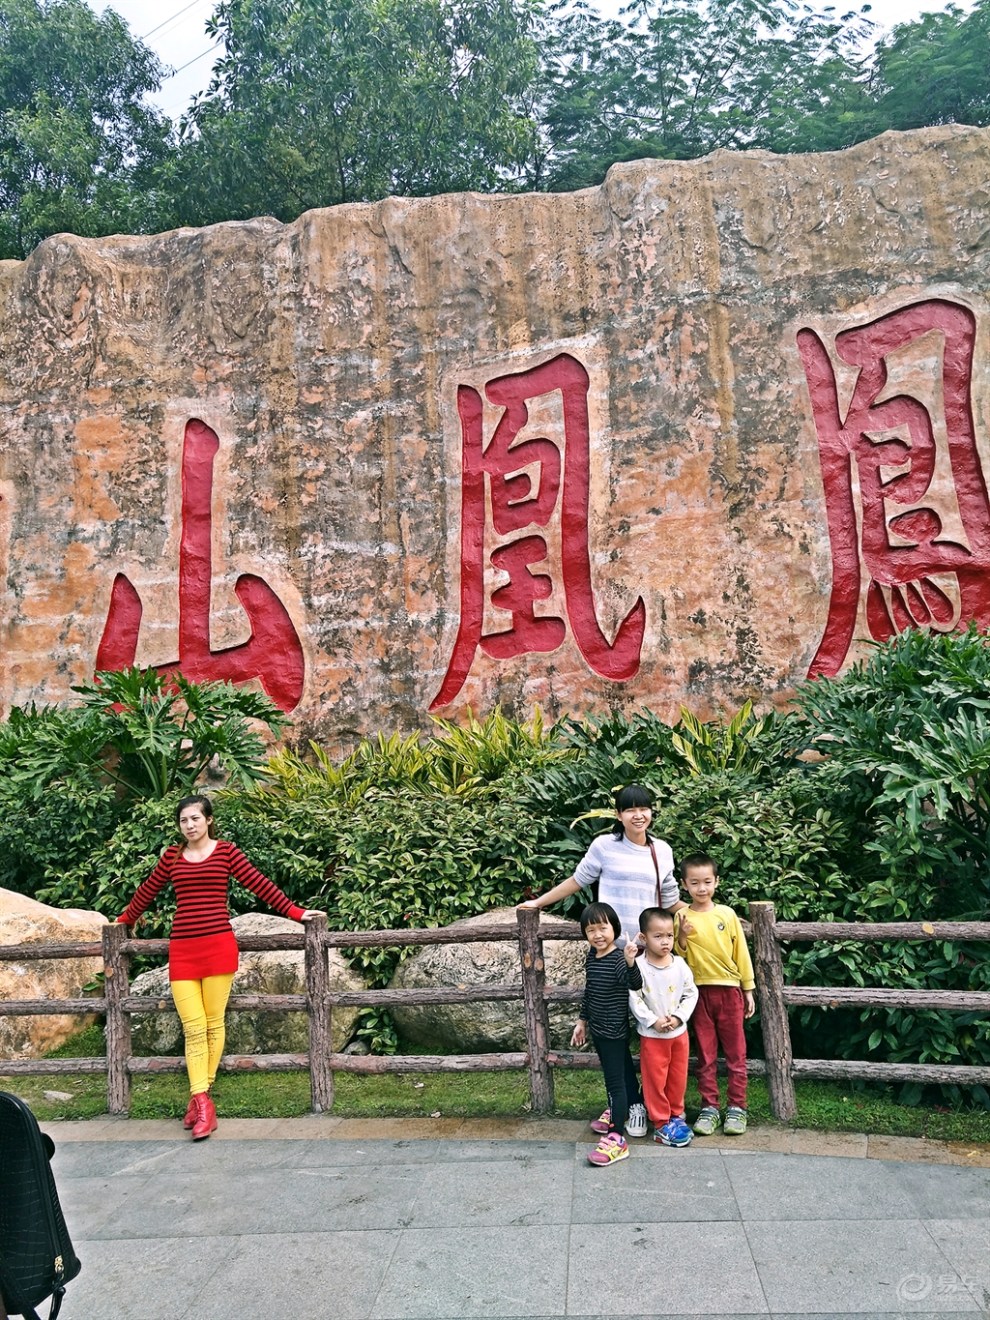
(118, 947)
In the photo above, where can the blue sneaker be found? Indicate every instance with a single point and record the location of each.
(674, 1133)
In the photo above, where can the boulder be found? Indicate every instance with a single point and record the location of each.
(498, 1025)
(703, 348)
(277, 973)
(24, 920)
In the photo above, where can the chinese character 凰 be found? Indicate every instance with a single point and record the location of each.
(528, 480)
(918, 535)
(272, 654)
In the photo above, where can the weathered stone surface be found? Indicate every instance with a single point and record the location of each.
(278, 973)
(330, 358)
(25, 921)
(475, 1028)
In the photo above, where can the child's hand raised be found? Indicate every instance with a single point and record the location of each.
(631, 950)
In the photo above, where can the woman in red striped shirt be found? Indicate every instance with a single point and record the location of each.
(202, 949)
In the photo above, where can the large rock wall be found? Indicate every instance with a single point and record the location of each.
(645, 443)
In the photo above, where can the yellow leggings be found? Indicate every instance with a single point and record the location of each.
(201, 1006)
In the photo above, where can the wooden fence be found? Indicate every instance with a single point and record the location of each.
(118, 1005)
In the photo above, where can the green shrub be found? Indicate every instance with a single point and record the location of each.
(910, 724)
(41, 837)
(415, 859)
(777, 841)
(105, 879)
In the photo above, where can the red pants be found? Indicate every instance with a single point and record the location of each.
(663, 1066)
(718, 1020)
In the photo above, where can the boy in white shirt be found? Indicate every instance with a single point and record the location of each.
(661, 1010)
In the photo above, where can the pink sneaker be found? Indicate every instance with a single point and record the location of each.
(609, 1150)
(602, 1124)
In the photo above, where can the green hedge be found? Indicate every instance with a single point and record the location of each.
(887, 824)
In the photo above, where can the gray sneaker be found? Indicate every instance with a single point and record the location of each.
(735, 1122)
(708, 1121)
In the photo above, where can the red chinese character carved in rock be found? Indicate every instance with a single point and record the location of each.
(521, 501)
(272, 654)
(915, 466)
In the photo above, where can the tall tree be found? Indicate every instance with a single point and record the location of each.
(679, 78)
(78, 143)
(937, 70)
(316, 102)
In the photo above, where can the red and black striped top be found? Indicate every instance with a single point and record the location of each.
(201, 890)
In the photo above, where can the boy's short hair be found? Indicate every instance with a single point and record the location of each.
(596, 914)
(697, 859)
(650, 914)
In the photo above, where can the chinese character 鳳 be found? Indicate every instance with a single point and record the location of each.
(905, 493)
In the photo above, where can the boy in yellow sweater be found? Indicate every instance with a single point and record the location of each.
(711, 939)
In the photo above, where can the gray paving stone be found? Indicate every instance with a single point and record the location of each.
(97, 1207)
(161, 1280)
(872, 1266)
(504, 1193)
(661, 1266)
(645, 1189)
(103, 1159)
(365, 1153)
(965, 1243)
(788, 1187)
(476, 1272)
(253, 1201)
(940, 1192)
(382, 1228)
(519, 1152)
(304, 1276)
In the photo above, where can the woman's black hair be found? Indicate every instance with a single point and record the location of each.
(595, 914)
(197, 800)
(633, 795)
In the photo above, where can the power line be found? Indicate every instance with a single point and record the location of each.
(166, 22)
(194, 59)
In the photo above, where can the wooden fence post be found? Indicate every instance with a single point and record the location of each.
(118, 1028)
(769, 969)
(320, 1015)
(535, 1007)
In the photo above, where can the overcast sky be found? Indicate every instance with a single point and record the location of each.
(175, 30)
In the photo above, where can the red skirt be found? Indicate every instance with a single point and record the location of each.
(197, 956)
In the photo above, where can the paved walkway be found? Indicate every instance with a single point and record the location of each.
(315, 1218)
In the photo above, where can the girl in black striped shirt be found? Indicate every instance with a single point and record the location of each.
(610, 973)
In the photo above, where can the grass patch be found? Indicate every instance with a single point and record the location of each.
(823, 1106)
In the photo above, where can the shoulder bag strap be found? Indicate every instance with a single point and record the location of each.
(656, 867)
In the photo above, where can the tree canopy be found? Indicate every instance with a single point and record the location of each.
(317, 102)
(80, 147)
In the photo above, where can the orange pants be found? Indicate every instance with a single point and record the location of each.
(664, 1068)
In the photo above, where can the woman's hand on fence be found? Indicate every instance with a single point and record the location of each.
(579, 1035)
(530, 905)
(310, 913)
(750, 1003)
